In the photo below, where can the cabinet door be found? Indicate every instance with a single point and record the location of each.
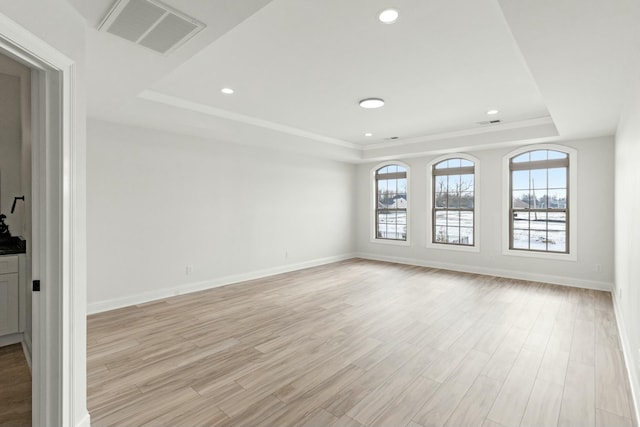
(8, 303)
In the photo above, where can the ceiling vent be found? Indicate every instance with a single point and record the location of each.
(151, 24)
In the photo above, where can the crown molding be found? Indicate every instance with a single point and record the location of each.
(460, 133)
(197, 107)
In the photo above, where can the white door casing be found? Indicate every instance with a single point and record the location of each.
(59, 320)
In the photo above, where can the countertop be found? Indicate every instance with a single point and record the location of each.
(16, 245)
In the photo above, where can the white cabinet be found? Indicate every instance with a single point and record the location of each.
(9, 295)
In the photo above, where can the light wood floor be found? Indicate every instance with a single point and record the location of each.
(15, 387)
(362, 343)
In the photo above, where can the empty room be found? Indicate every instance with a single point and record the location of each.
(409, 213)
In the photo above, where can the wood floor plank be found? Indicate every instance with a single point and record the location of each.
(578, 399)
(442, 404)
(544, 403)
(511, 403)
(407, 404)
(505, 355)
(554, 366)
(583, 343)
(318, 418)
(476, 403)
(489, 423)
(360, 343)
(198, 412)
(610, 374)
(295, 411)
(15, 387)
(319, 373)
(375, 403)
(354, 393)
(346, 421)
(256, 414)
(607, 419)
(470, 367)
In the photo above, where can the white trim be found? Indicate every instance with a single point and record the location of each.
(633, 374)
(18, 338)
(482, 129)
(573, 282)
(29, 48)
(476, 204)
(176, 102)
(10, 339)
(59, 356)
(373, 205)
(144, 297)
(22, 283)
(26, 348)
(450, 247)
(573, 204)
(85, 421)
(391, 242)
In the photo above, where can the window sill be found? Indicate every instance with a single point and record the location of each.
(541, 255)
(448, 247)
(391, 242)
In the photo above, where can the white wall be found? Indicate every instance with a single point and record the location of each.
(627, 238)
(595, 222)
(159, 202)
(10, 150)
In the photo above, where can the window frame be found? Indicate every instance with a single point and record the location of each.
(571, 207)
(374, 205)
(430, 244)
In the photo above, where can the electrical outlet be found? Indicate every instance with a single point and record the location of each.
(598, 268)
(189, 270)
(619, 292)
(286, 255)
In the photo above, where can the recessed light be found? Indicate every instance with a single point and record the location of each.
(388, 16)
(227, 90)
(492, 112)
(372, 103)
(368, 134)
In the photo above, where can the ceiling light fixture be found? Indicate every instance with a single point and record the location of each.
(368, 134)
(372, 103)
(388, 16)
(492, 112)
(227, 90)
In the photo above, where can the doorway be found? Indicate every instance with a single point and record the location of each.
(15, 242)
(58, 232)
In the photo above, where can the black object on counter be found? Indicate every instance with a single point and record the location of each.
(5, 234)
(10, 244)
(15, 199)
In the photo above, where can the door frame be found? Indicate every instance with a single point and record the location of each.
(58, 255)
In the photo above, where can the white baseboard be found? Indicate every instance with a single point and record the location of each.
(627, 351)
(521, 275)
(85, 421)
(100, 306)
(19, 338)
(26, 348)
(10, 339)
(144, 297)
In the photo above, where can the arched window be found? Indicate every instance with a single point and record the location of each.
(453, 202)
(391, 202)
(539, 201)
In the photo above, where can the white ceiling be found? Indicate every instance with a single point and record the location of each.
(555, 70)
